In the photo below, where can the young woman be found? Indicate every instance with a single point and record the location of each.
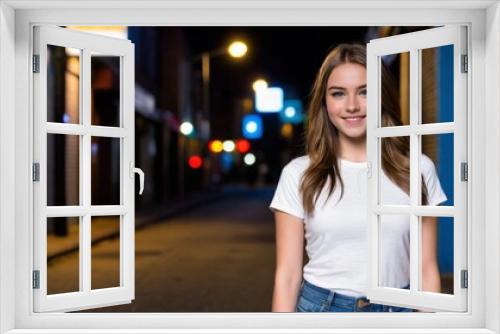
(321, 197)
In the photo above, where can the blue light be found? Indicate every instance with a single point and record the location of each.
(66, 118)
(94, 148)
(269, 99)
(226, 161)
(292, 112)
(252, 126)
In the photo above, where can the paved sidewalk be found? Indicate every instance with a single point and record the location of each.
(103, 229)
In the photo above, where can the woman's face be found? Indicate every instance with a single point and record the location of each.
(346, 100)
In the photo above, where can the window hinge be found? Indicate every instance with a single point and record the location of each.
(465, 279)
(36, 63)
(369, 169)
(36, 279)
(36, 172)
(465, 66)
(464, 171)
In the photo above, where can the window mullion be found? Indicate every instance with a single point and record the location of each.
(422, 210)
(420, 129)
(85, 230)
(414, 169)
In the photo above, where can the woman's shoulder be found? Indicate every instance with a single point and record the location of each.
(426, 163)
(297, 165)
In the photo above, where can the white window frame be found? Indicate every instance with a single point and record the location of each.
(16, 19)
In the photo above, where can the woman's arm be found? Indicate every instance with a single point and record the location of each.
(431, 281)
(289, 257)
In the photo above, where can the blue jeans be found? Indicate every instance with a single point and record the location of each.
(313, 298)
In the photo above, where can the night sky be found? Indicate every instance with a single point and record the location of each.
(288, 57)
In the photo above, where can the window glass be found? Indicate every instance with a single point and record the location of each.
(63, 84)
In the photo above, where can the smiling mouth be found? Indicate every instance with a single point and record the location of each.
(354, 118)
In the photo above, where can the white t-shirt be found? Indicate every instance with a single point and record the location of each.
(335, 233)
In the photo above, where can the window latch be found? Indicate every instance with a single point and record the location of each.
(139, 171)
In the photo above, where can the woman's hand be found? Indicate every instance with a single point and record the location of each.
(289, 257)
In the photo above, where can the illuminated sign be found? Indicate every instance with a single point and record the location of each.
(269, 99)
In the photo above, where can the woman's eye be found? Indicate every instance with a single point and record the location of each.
(337, 94)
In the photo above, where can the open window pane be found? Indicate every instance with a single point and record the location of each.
(395, 89)
(63, 84)
(63, 170)
(395, 173)
(437, 84)
(438, 151)
(105, 90)
(78, 170)
(105, 253)
(63, 233)
(106, 164)
(437, 240)
(437, 160)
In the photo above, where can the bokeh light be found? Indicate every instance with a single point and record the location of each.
(228, 145)
(249, 159)
(237, 49)
(186, 128)
(243, 145)
(259, 84)
(215, 146)
(195, 162)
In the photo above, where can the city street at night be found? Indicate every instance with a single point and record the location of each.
(215, 258)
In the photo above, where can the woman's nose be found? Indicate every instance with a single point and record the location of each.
(352, 103)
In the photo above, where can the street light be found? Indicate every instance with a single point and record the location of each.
(236, 49)
(259, 84)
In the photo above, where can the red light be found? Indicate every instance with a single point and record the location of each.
(243, 145)
(195, 162)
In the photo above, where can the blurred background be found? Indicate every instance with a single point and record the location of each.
(218, 112)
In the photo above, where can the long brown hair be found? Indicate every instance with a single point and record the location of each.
(322, 140)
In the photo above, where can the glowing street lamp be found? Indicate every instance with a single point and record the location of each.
(237, 49)
(259, 84)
